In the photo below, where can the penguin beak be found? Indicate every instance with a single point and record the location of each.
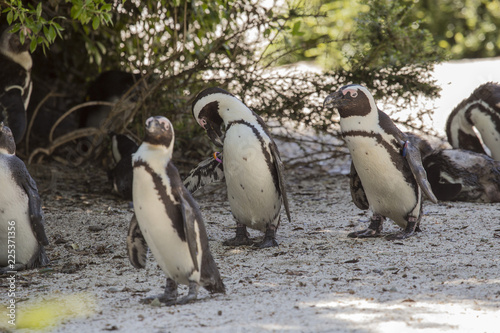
(154, 126)
(214, 132)
(333, 100)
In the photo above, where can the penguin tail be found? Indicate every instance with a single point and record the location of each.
(216, 286)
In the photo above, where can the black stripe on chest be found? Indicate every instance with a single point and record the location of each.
(263, 145)
(172, 209)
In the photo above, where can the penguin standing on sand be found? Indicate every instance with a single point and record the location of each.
(387, 175)
(167, 219)
(251, 164)
(21, 216)
(15, 82)
(481, 110)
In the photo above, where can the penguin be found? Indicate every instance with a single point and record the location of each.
(121, 174)
(21, 217)
(109, 86)
(387, 175)
(15, 82)
(167, 219)
(463, 175)
(480, 111)
(252, 166)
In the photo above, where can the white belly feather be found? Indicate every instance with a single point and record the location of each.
(251, 191)
(14, 207)
(171, 253)
(386, 189)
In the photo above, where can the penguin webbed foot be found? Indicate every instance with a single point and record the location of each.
(192, 294)
(241, 237)
(367, 233)
(169, 297)
(411, 227)
(15, 268)
(373, 230)
(269, 239)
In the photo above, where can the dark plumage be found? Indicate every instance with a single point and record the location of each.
(15, 81)
(480, 111)
(463, 175)
(21, 214)
(167, 219)
(387, 175)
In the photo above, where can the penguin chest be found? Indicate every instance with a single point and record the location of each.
(248, 168)
(385, 185)
(14, 218)
(160, 220)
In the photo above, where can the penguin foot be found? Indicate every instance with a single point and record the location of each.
(192, 294)
(410, 229)
(373, 230)
(269, 238)
(367, 233)
(241, 237)
(15, 268)
(169, 297)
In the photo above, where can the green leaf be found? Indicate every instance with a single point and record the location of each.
(95, 23)
(39, 9)
(33, 45)
(10, 16)
(52, 34)
(296, 28)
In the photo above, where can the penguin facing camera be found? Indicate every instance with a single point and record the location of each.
(168, 220)
(463, 175)
(252, 167)
(387, 175)
(15, 81)
(21, 216)
(480, 111)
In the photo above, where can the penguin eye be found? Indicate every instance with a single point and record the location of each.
(354, 94)
(203, 122)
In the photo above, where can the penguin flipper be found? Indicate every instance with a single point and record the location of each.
(280, 170)
(357, 191)
(137, 248)
(206, 172)
(415, 162)
(34, 202)
(189, 217)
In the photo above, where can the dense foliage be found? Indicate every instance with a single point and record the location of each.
(182, 46)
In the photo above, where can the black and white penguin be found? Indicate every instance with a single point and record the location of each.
(252, 166)
(122, 147)
(15, 82)
(387, 175)
(167, 219)
(21, 217)
(463, 175)
(480, 111)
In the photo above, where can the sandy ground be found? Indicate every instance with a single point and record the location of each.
(445, 279)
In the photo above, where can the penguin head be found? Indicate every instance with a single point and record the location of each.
(7, 143)
(11, 47)
(214, 106)
(159, 131)
(351, 100)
